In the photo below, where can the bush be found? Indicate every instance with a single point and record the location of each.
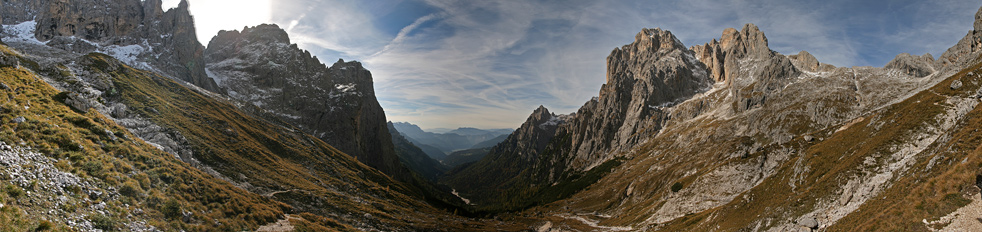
(171, 209)
(103, 222)
(676, 187)
(93, 168)
(131, 189)
(44, 226)
(13, 191)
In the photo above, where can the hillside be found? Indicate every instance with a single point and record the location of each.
(114, 118)
(246, 150)
(70, 170)
(793, 142)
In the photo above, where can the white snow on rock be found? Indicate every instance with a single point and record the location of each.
(21, 33)
(345, 88)
(554, 121)
(128, 54)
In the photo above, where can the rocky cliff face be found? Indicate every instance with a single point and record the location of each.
(644, 77)
(786, 143)
(960, 54)
(140, 33)
(337, 104)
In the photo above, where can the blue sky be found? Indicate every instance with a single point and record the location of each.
(488, 64)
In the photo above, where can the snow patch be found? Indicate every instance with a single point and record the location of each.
(554, 121)
(128, 54)
(21, 33)
(345, 88)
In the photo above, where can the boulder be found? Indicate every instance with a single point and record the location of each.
(956, 84)
(808, 223)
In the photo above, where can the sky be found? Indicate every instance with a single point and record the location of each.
(489, 64)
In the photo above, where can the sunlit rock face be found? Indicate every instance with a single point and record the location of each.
(337, 104)
(139, 32)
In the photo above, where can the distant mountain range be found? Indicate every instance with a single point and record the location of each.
(438, 145)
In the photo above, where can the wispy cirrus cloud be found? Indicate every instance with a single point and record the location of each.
(447, 63)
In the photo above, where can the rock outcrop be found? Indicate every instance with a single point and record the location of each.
(916, 66)
(807, 62)
(721, 56)
(337, 104)
(139, 32)
(653, 72)
(967, 49)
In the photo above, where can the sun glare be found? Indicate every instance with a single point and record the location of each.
(211, 16)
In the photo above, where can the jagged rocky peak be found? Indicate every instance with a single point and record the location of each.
(719, 56)
(978, 20)
(916, 66)
(807, 62)
(269, 33)
(137, 32)
(541, 115)
(654, 69)
(337, 104)
(154, 9)
(961, 54)
(353, 72)
(656, 39)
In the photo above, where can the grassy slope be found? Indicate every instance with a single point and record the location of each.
(302, 171)
(918, 193)
(328, 188)
(81, 146)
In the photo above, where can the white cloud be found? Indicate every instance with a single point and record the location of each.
(490, 63)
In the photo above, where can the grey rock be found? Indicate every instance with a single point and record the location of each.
(171, 34)
(73, 44)
(118, 110)
(809, 138)
(8, 61)
(336, 104)
(978, 20)
(110, 134)
(79, 102)
(916, 66)
(809, 223)
(19, 119)
(653, 72)
(962, 53)
(956, 84)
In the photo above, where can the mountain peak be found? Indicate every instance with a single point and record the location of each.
(267, 32)
(656, 39)
(978, 20)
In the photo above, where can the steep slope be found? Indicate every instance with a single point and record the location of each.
(644, 77)
(775, 147)
(414, 158)
(137, 32)
(490, 142)
(462, 157)
(66, 170)
(336, 104)
(239, 144)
